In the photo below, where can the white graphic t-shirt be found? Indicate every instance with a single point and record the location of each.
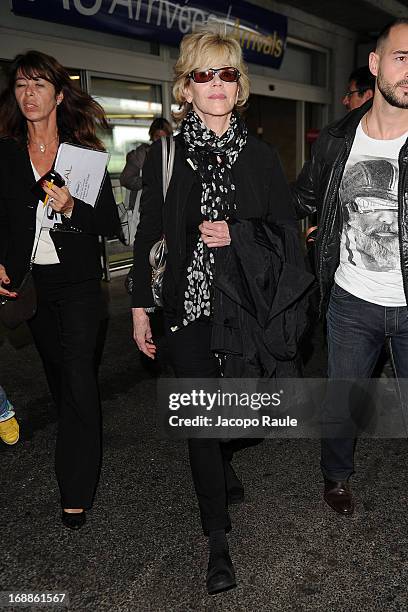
(370, 265)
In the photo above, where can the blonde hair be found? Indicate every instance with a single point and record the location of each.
(206, 49)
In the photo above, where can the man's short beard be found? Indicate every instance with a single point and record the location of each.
(389, 92)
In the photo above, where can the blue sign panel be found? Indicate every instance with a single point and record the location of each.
(261, 33)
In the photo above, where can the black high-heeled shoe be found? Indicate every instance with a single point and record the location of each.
(73, 520)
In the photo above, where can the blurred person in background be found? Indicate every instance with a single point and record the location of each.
(131, 176)
(360, 88)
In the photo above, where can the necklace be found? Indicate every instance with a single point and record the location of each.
(42, 145)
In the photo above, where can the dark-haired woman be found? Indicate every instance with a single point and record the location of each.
(39, 109)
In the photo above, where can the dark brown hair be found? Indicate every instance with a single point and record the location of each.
(78, 115)
(158, 124)
(363, 78)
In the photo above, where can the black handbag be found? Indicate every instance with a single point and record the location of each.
(14, 311)
(158, 252)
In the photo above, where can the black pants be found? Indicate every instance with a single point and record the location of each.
(191, 358)
(65, 330)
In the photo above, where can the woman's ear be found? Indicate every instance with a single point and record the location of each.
(188, 96)
(59, 98)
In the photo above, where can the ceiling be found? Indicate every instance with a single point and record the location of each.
(367, 17)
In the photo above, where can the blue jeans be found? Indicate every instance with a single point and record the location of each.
(6, 409)
(356, 332)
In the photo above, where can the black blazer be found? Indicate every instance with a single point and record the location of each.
(78, 251)
(261, 192)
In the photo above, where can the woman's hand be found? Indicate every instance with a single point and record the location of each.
(59, 199)
(142, 334)
(4, 280)
(215, 234)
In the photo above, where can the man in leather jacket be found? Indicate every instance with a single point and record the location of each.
(357, 183)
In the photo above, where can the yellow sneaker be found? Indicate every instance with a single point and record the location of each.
(9, 431)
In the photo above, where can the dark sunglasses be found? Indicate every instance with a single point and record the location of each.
(229, 75)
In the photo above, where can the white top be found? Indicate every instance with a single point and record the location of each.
(45, 253)
(370, 266)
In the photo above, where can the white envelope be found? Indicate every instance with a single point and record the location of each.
(83, 170)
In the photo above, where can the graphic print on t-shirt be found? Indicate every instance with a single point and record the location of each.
(369, 199)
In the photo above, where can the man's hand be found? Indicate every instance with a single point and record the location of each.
(215, 234)
(142, 333)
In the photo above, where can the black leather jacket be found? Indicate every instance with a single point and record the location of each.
(317, 190)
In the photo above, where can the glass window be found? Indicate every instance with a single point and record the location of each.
(77, 77)
(300, 65)
(130, 108)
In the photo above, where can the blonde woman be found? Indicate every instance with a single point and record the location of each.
(220, 173)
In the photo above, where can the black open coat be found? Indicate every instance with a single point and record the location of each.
(260, 301)
(78, 251)
(261, 192)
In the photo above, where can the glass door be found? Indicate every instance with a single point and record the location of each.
(274, 120)
(130, 108)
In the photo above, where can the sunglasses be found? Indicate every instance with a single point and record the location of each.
(229, 75)
(349, 93)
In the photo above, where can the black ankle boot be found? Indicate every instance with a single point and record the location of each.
(220, 572)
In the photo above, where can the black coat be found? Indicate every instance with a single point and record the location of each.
(78, 251)
(317, 190)
(261, 192)
(260, 300)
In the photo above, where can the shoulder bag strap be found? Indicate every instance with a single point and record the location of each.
(37, 241)
(167, 162)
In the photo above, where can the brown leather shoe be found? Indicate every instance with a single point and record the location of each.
(339, 497)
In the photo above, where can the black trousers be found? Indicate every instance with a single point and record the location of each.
(191, 357)
(65, 330)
